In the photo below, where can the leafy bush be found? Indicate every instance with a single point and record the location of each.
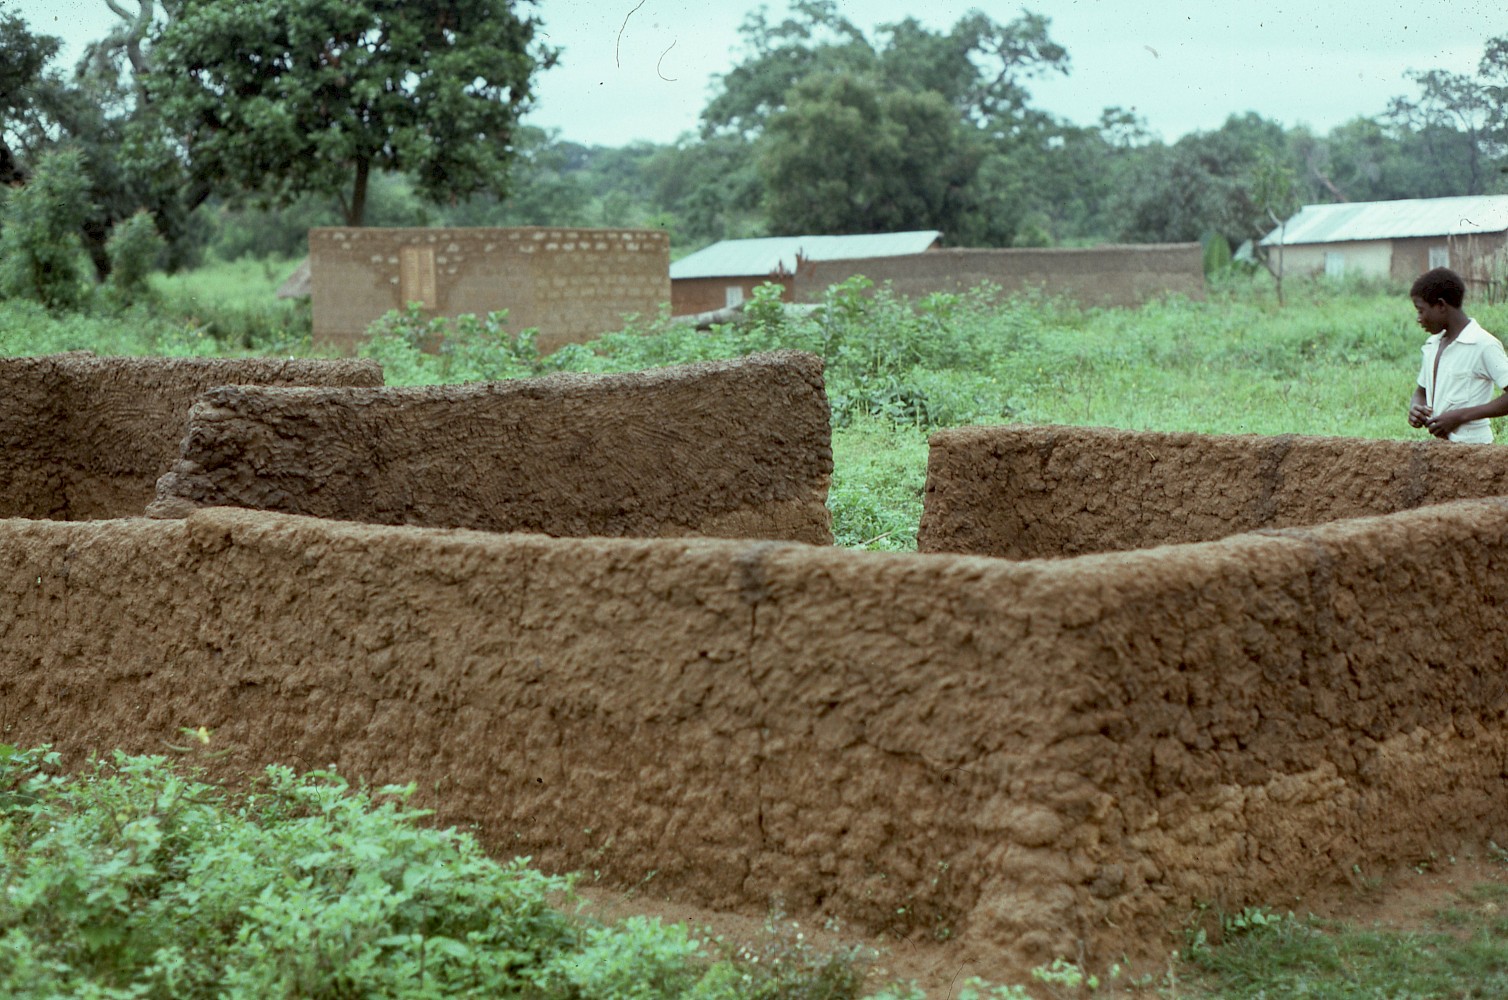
(415, 350)
(136, 878)
(40, 255)
(133, 879)
(883, 354)
(1217, 255)
(134, 247)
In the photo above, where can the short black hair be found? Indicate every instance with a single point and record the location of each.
(1439, 284)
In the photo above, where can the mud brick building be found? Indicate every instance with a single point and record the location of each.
(570, 284)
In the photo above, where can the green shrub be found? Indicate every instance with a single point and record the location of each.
(1217, 255)
(136, 878)
(415, 350)
(134, 248)
(133, 879)
(40, 255)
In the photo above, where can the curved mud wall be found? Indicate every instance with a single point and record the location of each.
(729, 448)
(1041, 758)
(85, 437)
(1041, 492)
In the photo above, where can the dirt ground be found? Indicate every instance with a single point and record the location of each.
(1407, 898)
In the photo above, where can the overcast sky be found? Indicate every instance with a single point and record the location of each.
(643, 69)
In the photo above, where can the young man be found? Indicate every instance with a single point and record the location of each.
(1463, 364)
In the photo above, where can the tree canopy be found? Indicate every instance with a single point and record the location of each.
(286, 97)
(857, 135)
(414, 112)
(27, 91)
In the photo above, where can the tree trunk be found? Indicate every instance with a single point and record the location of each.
(96, 234)
(357, 209)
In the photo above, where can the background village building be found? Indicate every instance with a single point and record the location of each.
(726, 273)
(571, 284)
(914, 265)
(1106, 277)
(1398, 240)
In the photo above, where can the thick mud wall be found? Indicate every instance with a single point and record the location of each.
(1037, 758)
(85, 437)
(1040, 492)
(730, 448)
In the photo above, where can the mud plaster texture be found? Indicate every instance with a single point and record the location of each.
(1040, 492)
(730, 449)
(1041, 758)
(84, 437)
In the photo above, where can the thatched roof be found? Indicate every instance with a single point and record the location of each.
(298, 285)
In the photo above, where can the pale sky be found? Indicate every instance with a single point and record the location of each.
(643, 69)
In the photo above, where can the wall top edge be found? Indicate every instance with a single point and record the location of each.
(484, 232)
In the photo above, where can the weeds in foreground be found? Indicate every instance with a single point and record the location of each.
(1455, 953)
(138, 878)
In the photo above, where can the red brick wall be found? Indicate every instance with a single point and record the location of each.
(1094, 276)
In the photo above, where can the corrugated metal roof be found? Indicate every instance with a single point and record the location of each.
(1384, 220)
(743, 258)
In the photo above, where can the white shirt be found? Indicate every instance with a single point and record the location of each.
(1472, 368)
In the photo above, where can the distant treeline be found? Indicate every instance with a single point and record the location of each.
(236, 136)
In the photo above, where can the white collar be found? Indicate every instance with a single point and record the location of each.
(1470, 334)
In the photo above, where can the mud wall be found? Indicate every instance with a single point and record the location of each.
(1040, 492)
(1040, 758)
(572, 284)
(87, 437)
(730, 448)
(1092, 276)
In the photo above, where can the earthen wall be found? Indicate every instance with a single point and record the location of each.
(570, 284)
(1035, 758)
(1093, 276)
(1030, 492)
(86, 437)
(727, 448)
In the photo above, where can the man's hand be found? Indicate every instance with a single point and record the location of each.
(1444, 425)
(1419, 415)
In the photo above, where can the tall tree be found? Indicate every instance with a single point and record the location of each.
(1205, 182)
(28, 93)
(850, 155)
(284, 97)
(854, 134)
(1462, 121)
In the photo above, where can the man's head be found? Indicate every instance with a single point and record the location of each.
(1437, 296)
(1439, 285)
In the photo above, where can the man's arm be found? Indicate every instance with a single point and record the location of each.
(1444, 424)
(1418, 411)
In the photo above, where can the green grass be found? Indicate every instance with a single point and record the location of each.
(1452, 953)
